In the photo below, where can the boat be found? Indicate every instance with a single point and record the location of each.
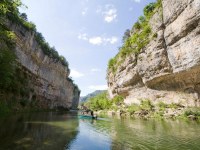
(86, 117)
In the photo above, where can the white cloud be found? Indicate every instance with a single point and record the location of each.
(111, 40)
(137, 1)
(84, 12)
(96, 40)
(98, 87)
(110, 15)
(75, 74)
(83, 36)
(95, 70)
(109, 12)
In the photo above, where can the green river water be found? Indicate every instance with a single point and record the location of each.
(65, 131)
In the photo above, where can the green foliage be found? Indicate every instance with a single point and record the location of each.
(118, 100)
(126, 35)
(192, 111)
(138, 40)
(12, 79)
(146, 105)
(24, 16)
(7, 57)
(99, 102)
(133, 108)
(111, 64)
(173, 105)
(4, 109)
(9, 9)
(50, 51)
(137, 26)
(162, 106)
(142, 19)
(148, 10)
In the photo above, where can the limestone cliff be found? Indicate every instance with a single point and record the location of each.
(46, 80)
(168, 68)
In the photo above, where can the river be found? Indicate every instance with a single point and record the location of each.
(65, 131)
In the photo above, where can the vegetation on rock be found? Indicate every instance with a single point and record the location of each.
(15, 88)
(145, 109)
(9, 10)
(102, 102)
(137, 38)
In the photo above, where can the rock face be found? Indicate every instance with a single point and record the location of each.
(168, 68)
(48, 79)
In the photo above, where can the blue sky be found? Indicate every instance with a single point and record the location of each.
(87, 32)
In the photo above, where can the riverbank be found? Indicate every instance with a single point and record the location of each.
(147, 110)
(102, 105)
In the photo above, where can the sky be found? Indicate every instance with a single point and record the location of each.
(88, 33)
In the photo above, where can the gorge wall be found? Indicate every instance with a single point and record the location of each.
(43, 81)
(168, 68)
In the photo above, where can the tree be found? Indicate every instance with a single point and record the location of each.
(7, 67)
(126, 35)
(142, 19)
(149, 9)
(24, 16)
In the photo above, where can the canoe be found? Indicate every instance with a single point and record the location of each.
(86, 117)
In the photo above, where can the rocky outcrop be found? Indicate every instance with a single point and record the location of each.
(168, 68)
(46, 77)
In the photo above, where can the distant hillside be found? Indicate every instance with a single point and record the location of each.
(87, 97)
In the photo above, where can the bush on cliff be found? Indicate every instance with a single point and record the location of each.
(15, 91)
(138, 39)
(9, 10)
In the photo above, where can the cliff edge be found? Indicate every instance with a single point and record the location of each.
(37, 77)
(167, 66)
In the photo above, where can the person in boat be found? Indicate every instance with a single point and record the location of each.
(92, 114)
(84, 109)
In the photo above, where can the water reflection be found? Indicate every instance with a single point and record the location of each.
(155, 135)
(41, 131)
(138, 134)
(90, 137)
(59, 131)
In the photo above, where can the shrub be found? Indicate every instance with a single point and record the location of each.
(118, 100)
(146, 105)
(99, 102)
(173, 105)
(4, 109)
(133, 108)
(112, 63)
(192, 111)
(9, 9)
(149, 9)
(137, 25)
(139, 39)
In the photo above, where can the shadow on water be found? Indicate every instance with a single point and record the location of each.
(38, 131)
